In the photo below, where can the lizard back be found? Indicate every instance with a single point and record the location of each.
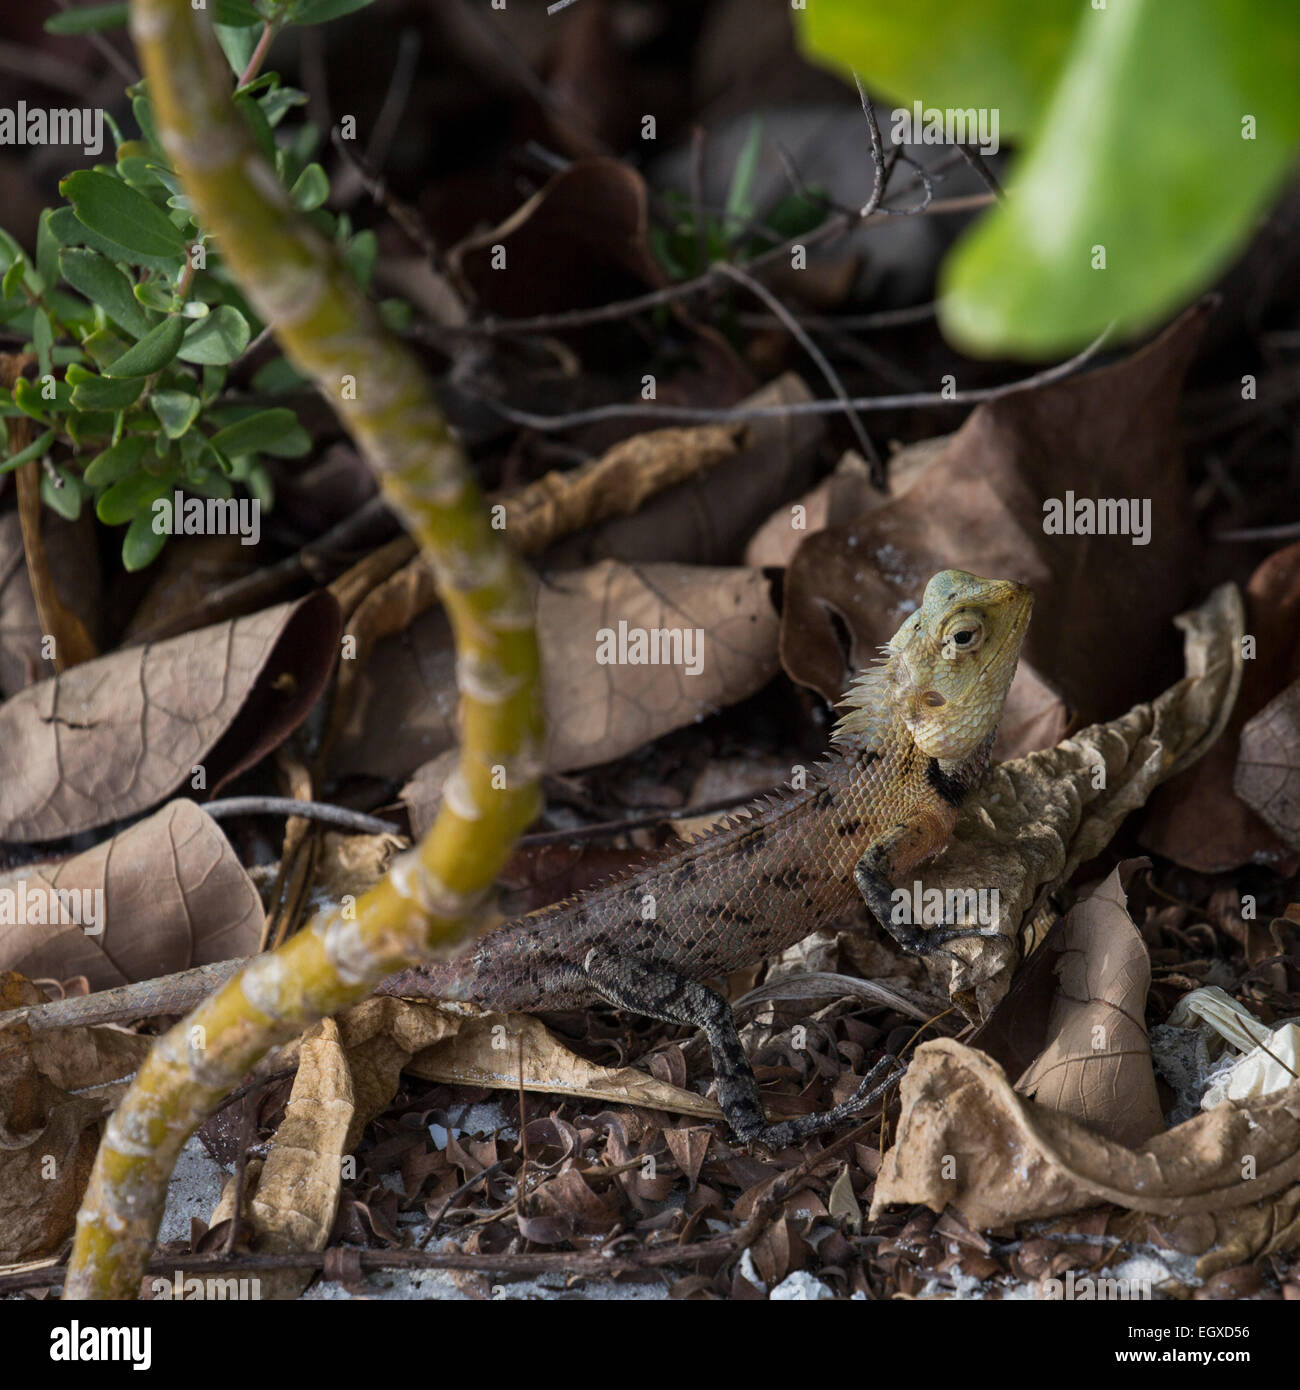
(748, 889)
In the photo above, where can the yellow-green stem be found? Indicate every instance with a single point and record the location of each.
(428, 902)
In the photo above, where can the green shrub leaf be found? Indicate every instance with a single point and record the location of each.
(176, 411)
(115, 463)
(104, 284)
(218, 338)
(142, 545)
(132, 497)
(65, 499)
(115, 210)
(93, 392)
(34, 450)
(153, 352)
(274, 431)
(88, 19)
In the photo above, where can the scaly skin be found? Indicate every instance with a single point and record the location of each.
(915, 738)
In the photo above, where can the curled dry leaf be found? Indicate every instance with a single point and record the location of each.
(707, 519)
(1018, 1161)
(486, 1050)
(1268, 766)
(297, 1189)
(1196, 819)
(600, 710)
(1035, 819)
(113, 737)
(980, 505)
(1097, 1063)
(166, 894)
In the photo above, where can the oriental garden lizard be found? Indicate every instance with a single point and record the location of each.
(915, 737)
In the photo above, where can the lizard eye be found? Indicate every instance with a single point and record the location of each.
(965, 635)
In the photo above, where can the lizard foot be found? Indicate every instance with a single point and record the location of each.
(932, 941)
(652, 989)
(886, 1073)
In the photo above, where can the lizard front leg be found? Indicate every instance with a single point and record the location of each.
(656, 991)
(894, 853)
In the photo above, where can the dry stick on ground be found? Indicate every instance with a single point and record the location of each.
(433, 894)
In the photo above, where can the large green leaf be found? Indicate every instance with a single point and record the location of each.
(1141, 159)
(1151, 147)
(1001, 55)
(123, 214)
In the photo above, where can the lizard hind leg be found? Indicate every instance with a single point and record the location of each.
(655, 991)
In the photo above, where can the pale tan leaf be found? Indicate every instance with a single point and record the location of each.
(113, 737)
(297, 1192)
(172, 894)
(967, 1140)
(1268, 765)
(1097, 1063)
(486, 1050)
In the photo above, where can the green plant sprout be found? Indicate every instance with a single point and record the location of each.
(696, 239)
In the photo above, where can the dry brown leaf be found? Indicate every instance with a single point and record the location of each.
(1223, 1239)
(1268, 765)
(1197, 820)
(113, 737)
(617, 483)
(580, 240)
(708, 518)
(48, 1136)
(174, 895)
(1034, 820)
(601, 712)
(1097, 1064)
(486, 1050)
(1110, 433)
(967, 1140)
(297, 1190)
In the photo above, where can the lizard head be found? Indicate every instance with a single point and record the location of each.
(949, 666)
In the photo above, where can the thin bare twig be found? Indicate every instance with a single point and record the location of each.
(976, 160)
(395, 98)
(311, 810)
(853, 323)
(707, 283)
(822, 362)
(918, 400)
(878, 172)
(115, 59)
